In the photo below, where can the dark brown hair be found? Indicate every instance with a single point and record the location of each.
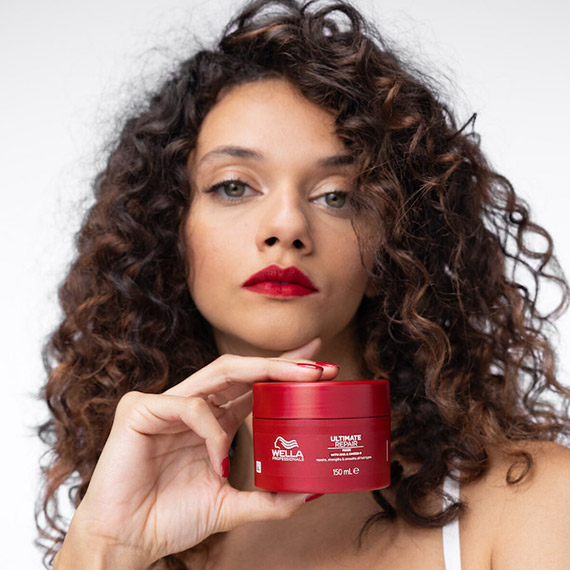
(455, 323)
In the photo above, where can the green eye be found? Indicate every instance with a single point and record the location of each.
(335, 199)
(233, 188)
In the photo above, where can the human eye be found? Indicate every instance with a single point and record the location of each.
(337, 199)
(232, 189)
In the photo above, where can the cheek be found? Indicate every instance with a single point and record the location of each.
(214, 258)
(351, 264)
(203, 255)
(356, 282)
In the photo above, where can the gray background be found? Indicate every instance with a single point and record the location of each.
(67, 68)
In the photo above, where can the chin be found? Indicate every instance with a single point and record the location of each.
(278, 345)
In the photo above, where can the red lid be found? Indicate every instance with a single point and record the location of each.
(316, 400)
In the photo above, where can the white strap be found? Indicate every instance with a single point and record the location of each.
(451, 545)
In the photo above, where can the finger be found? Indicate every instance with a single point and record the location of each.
(228, 370)
(242, 507)
(306, 353)
(236, 389)
(330, 370)
(228, 394)
(233, 415)
(160, 414)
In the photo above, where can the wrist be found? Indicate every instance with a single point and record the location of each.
(88, 551)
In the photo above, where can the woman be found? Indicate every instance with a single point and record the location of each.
(301, 141)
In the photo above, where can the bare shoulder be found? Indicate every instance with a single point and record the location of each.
(547, 478)
(550, 465)
(525, 524)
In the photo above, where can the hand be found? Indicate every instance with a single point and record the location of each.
(159, 486)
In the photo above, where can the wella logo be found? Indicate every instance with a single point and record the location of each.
(284, 450)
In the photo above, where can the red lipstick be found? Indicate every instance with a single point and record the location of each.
(277, 282)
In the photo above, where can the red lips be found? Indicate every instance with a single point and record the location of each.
(277, 282)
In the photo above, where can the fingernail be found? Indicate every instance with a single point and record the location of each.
(308, 365)
(328, 364)
(226, 467)
(313, 497)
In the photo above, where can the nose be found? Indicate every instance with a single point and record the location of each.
(284, 222)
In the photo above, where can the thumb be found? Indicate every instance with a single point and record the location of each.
(307, 351)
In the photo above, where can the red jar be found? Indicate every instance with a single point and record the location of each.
(321, 437)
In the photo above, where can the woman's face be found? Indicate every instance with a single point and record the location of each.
(274, 260)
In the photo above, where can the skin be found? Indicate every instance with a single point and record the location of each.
(159, 486)
(292, 175)
(176, 443)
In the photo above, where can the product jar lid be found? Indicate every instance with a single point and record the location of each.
(317, 400)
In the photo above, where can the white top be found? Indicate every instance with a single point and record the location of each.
(451, 546)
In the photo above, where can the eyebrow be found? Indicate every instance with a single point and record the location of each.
(235, 151)
(242, 152)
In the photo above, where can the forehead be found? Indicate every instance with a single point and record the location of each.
(269, 113)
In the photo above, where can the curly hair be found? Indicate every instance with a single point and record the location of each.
(455, 323)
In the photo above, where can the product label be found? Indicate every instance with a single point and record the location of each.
(346, 447)
(284, 450)
(335, 455)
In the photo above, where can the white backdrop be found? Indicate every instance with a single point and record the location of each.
(66, 69)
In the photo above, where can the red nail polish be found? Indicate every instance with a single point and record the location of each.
(226, 467)
(308, 365)
(313, 497)
(328, 364)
